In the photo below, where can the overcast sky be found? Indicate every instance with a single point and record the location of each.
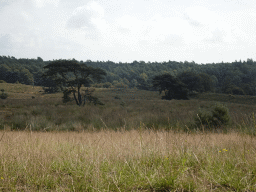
(203, 31)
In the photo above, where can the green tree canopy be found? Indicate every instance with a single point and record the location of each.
(191, 79)
(207, 82)
(70, 74)
(173, 87)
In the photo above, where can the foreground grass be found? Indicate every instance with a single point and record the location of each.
(126, 161)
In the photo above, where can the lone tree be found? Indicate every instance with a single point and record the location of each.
(69, 75)
(173, 87)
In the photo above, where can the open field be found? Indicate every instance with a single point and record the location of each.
(136, 160)
(135, 142)
(123, 108)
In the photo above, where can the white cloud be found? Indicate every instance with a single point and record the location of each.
(42, 3)
(209, 27)
(96, 9)
(200, 16)
(154, 30)
(127, 30)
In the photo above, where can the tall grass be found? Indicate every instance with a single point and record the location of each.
(136, 160)
(134, 143)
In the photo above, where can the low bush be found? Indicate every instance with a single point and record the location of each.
(213, 117)
(3, 95)
(238, 91)
(117, 97)
(18, 122)
(107, 85)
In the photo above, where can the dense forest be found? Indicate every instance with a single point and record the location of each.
(238, 77)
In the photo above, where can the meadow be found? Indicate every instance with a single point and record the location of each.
(124, 108)
(136, 160)
(135, 142)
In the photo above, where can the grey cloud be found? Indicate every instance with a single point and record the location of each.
(81, 17)
(78, 21)
(87, 17)
(217, 37)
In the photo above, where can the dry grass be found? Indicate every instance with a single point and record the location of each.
(133, 158)
(136, 160)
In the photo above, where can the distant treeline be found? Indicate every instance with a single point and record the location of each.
(238, 77)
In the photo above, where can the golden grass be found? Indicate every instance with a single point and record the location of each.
(136, 160)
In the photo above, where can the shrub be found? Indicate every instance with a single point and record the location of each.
(216, 116)
(3, 95)
(36, 111)
(18, 122)
(238, 91)
(94, 100)
(107, 85)
(51, 90)
(121, 85)
(221, 114)
(97, 85)
(2, 81)
(117, 97)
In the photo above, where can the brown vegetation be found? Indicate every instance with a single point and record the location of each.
(137, 160)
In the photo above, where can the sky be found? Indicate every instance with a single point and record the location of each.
(203, 31)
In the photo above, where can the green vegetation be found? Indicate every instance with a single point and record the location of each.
(123, 108)
(236, 78)
(215, 117)
(173, 87)
(134, 142)
(3, 94)
(58, 71)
